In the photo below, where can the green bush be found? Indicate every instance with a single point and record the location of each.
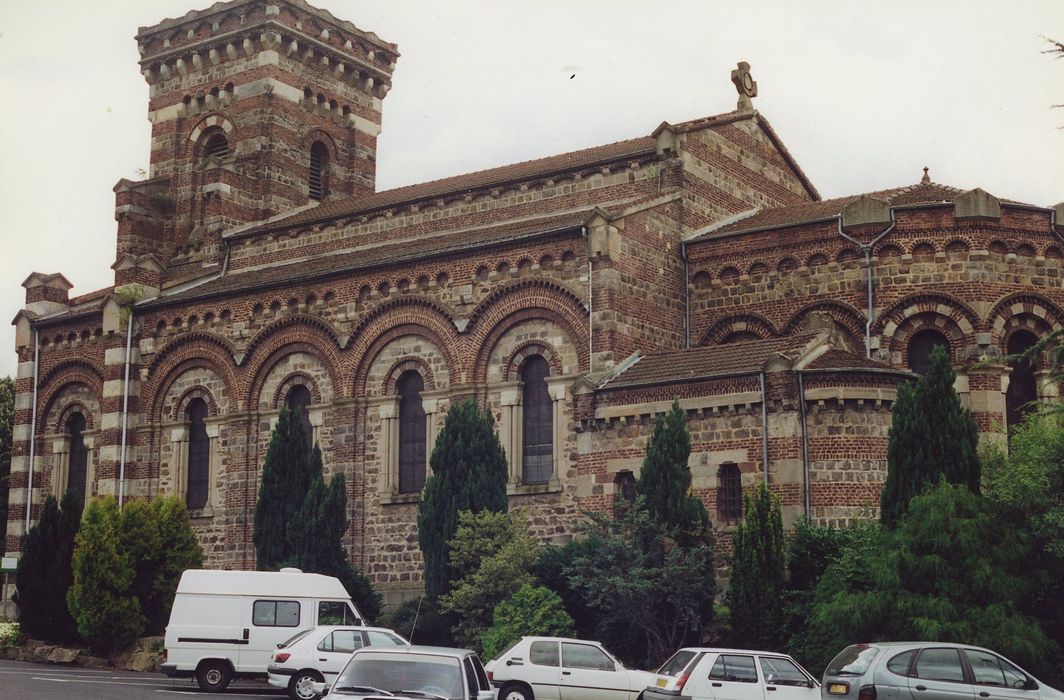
(420, 622)
(755, 590)
(530, 611)
(180, 551)
(108, 615)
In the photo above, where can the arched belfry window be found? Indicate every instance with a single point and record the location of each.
(537, 424)
(217, 145)
(1023, 386)
(920, 347)
(412, 432)
(79, 454)
(199, 455)
(297, 402)
(319, 168)
(729, 493)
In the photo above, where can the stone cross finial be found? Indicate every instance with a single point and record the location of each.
(745, 85)
(926, 179)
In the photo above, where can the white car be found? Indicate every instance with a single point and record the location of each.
(411, 673)
(317, 655)
(555, 668)
(698, 673)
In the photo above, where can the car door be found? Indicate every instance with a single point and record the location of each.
(540, 667)
(785, 680)
(939, 675)
(588, 673)
(731, 677)
(335, 649)
(995, 678)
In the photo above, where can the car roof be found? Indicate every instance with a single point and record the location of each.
(418, 649)
(333, 628)
(723, 650)
(561, 639)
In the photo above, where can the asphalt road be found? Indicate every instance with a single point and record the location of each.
(26, 681)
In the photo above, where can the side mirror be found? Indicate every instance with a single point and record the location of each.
(322, 689)
(810, 684)
(1030, 684)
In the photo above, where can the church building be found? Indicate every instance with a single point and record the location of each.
(575, 297)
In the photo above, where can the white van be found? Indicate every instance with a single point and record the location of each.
(226, 624)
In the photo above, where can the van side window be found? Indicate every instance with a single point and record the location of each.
(275, 613)
(336, 612)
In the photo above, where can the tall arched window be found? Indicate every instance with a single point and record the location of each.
(199, 455)
(1023, 387)
(537, 423)
(297, 401)
(412, 432)
(729, 493)
(79, 455)
(920, 347)
(319, 168)
(623, 493)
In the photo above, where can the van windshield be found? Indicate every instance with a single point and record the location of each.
(336, 612)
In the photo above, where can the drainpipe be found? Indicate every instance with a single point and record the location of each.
(33, 424)
(125, 411)
(867, 250)
(686, 298)
(590, 302)
(805, 444)
(764, 427)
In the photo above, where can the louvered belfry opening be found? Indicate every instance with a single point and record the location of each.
(319, 158)
(217, 146)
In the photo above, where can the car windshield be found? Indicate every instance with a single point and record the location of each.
(425, 673)
(294, 638)
(854, 660)
(678, 662)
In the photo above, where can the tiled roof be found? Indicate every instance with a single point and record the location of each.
(780, 217)
(710, 361)
(295, 271)
(470, 181)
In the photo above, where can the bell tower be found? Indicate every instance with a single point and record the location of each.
(257, 107)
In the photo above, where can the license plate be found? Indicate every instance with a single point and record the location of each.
(662, 682)
(838, 688)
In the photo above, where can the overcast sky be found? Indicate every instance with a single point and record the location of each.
(863, 94)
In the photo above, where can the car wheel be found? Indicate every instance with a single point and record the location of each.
(516, 692)
(300, 687)
(213, 676)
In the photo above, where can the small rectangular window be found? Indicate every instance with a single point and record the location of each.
(275, 613)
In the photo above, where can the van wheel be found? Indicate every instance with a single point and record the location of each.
(300, 687)
(516, 692)
(213, 676)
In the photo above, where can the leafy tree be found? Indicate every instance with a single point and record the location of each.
(634, 571)
(139, 543)
(549, 571)
(468, 473)
(7, 419)
(533, 611)
(665, 478)
(287, 474)
(950, 571)
(44, 571)
(179, 550)
(1026, 489)
(108, 615)
(492, 555)
(931, 437)
(755, 590)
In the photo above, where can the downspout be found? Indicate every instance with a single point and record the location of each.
(867, 250)
(764, 427)
(125, 411)
(686, 298)
(225, 260)
(33, 424)
(805, 444)
(590, 302)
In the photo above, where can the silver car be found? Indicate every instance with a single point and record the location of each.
(928, 671)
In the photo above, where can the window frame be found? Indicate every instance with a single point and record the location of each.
(412, 453)
(729, 492)
(914, 669)
(198, 450)
(537, 421)
(276, 603)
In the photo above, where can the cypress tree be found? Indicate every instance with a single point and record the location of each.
(758, 573)
(180, 550)
(7, 419)
(44, 571)
(665, 478)
(468, 473)
(932, 438)
(287, 474)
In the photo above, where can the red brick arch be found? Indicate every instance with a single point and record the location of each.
(945, 305)
(299, 333)
(396, 318)
(191, 394)
(1022, 304)
(844, 315)
(749, 322)
(524, 301)
(512, 364)
(188, 351)
(64, 375)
